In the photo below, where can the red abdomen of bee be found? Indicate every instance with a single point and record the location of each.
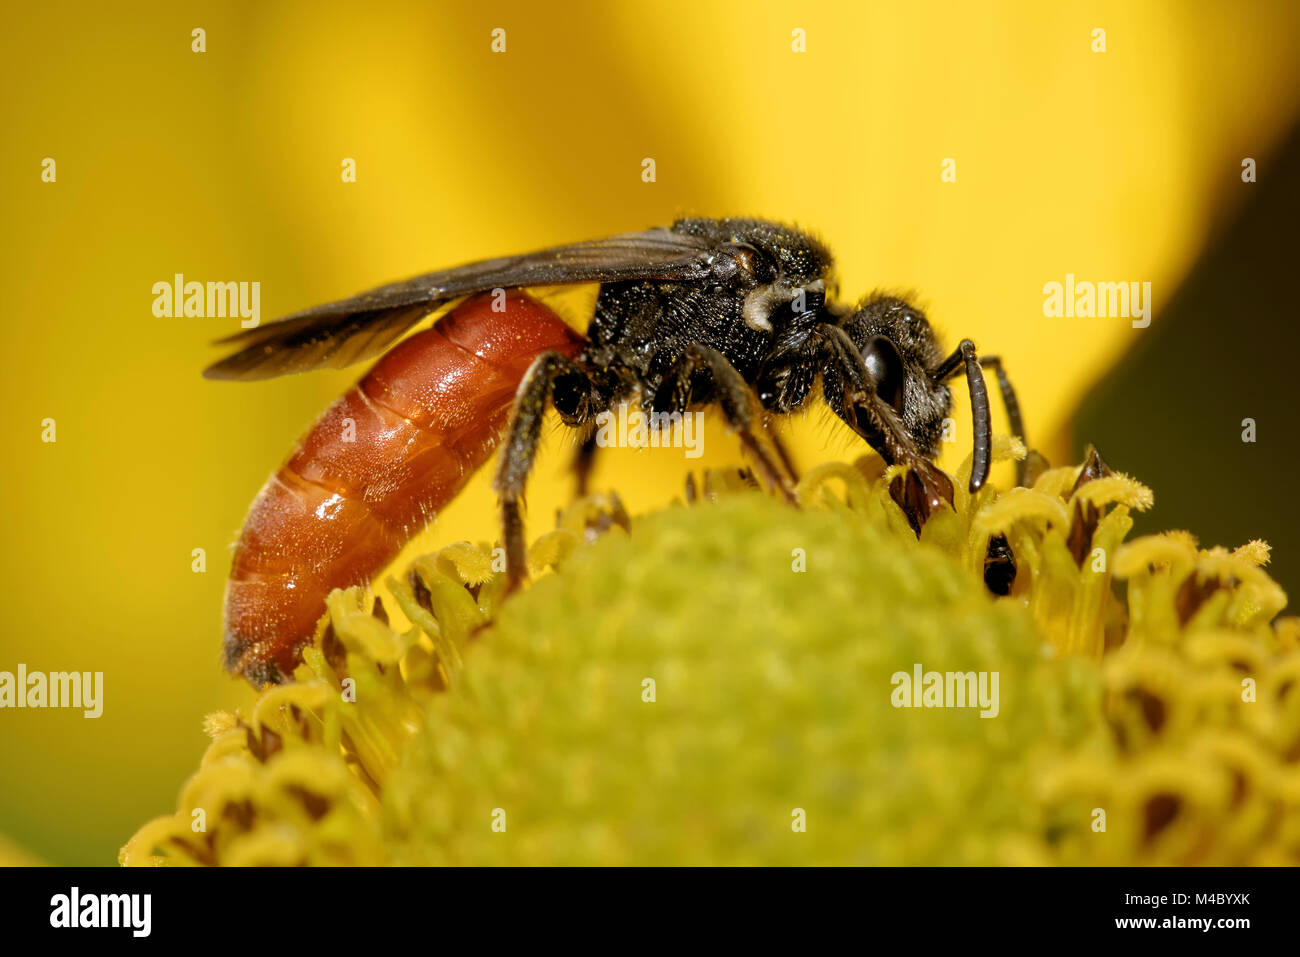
(376, 468)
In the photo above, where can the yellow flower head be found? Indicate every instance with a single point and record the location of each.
(724, 682)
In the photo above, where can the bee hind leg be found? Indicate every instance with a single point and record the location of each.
(552, 379)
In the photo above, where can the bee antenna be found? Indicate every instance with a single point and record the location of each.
(1012, 405)
(979, 407)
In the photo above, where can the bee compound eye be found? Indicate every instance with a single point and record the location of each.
(886, 367)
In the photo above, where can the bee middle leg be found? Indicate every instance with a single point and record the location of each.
(732, 394)
(552, 379)
(782, 452)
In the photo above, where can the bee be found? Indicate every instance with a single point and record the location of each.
(736, 314)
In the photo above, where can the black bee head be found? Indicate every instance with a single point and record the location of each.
(901, 354)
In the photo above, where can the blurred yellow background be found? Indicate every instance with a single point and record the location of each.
(225, 165)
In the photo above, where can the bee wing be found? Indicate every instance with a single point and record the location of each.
(340, 333)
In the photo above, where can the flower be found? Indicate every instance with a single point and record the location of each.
(717, 683)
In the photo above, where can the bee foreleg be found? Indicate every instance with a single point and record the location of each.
(850, 391)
